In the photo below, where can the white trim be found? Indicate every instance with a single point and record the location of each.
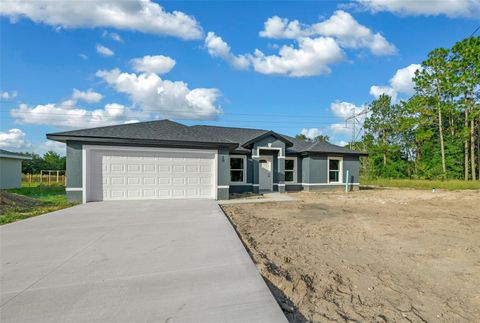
(280, 184)
(257, 185)
(340, 171)
(86, 149)
(84, 173)
(223, 186)
(269, 148)
(295, 167)
(73, 189)
(244, 170)
(281, 157)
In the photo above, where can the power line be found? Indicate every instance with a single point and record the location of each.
(475, 31)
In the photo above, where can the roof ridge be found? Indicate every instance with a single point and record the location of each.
(224, 127)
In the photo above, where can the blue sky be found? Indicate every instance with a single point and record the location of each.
(285, 66)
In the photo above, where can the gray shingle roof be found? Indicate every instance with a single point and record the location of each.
(11, 154)
(170, 131)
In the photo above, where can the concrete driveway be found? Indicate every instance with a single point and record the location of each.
(131, 261)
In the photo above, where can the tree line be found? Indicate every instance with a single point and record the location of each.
(435, 134)
(49, 161)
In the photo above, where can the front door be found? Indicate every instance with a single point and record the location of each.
(266, 180)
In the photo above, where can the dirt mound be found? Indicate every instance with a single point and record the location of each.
(11, 200)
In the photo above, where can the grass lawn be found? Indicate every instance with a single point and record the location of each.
(423, 184)
(45, 199)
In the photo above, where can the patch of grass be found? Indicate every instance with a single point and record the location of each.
(51, 198)
(423, 184)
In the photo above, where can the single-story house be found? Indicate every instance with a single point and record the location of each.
(11, 169)
(165, 159)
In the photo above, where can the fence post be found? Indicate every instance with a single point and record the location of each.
(29, 180)
(57, 176)
(49, 173)
(41, 176)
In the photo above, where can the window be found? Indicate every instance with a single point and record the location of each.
(290, 169)
(335, 169)
(237, 169)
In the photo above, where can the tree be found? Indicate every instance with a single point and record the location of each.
(54, 161)
(319, 138)
(301, 137)
(432, 82)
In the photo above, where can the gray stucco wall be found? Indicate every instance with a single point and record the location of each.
(74, 170)
(223, 176)
(10, 173)
(315, 171)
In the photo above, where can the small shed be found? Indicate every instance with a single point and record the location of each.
(11, 169)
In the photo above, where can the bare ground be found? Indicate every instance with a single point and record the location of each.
(376, 255)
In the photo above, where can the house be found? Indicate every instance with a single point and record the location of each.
(165, 159)
(11, 169)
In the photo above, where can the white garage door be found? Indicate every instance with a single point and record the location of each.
(151, 174)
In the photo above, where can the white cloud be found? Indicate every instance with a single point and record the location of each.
(13, 138)
(345, 109)
(401, 82)
(169, 98)
(157, 64)
(104, 51)
(67, 115)
(8, 95)
(116, 37)
(341, 143)
(450, 8)
(50, 145)
(88, 96)
(280, 28)
(138, 15)
(83, 56)
(312, 57)
(217, 47)
(340, 129)
(377, 90)
(341, 26)
(311, 133)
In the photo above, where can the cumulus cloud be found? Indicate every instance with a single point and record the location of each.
(139, 15)
(104, 51)
(8, 95)
(13, 138)
(376, 91)
(450, 8)
(217, 47)
(157, 64)
(88, 96)
(50, 145)
(168, 98)
(345, 109)
(340, 129)
(311, 133)
(312, 57)
(401, 82)
(68, 115)
(347, 31)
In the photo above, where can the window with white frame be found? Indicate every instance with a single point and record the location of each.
(290, 169)
(237, 169)
(335, 165)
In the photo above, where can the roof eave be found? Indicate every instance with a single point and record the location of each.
(149, 142)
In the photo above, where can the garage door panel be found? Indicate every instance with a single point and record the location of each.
(117, 175)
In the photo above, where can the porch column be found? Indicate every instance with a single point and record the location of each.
(223, 175)
(281, 174)
(256, 175)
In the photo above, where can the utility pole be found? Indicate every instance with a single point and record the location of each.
(354, 119)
